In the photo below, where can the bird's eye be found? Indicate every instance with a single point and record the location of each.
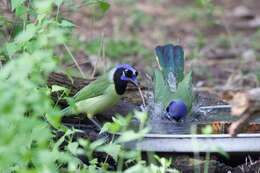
(128, 73)
(136, 73)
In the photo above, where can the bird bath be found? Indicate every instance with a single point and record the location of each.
(167, 136)
(187, 136)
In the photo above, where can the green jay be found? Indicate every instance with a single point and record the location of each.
(172, 88)
(102, 93)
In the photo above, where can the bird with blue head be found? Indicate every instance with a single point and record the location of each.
(172, 88)
(102, 93)
(176, 110)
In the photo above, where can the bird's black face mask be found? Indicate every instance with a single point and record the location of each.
(123, 75)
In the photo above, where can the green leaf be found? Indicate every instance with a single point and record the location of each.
(73, 147)
(110, 127)
(141, 116)
(43, 7)
(55, 88)
(83, 142)
(11, 48)
(221, 151)
(27, 34)
(62, 139)
(122, 121)
(16, 3)
(66, 23)
(131, 135)
(55, 120)
(104, 6)
(136, 169)
(111, 149)
(165, 163)
(58, 2)
(20, 10)
(94, 145)
(207, 130)
(94, 161)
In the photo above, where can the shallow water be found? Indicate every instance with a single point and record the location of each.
(159, 124)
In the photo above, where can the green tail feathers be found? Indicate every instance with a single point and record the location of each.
(67, 111)
(162, 93)
(171, 59)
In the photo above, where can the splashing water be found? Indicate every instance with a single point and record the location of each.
(159, 124)
(201, 113)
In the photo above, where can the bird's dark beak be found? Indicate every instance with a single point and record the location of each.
(134, 82)
(176, 119)
(172, 118)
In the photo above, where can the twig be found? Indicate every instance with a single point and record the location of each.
(112, 140)
(76, 63)
(216, 107)
(237, 125)
(103, 55)
(142, 96)
(100, 55)
(158, 64)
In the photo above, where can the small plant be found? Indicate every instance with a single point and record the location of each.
(139, 19)
(28, 54)
(118, 49)
(201, 11)
(255, 40)
(207, 5)
(26, 139)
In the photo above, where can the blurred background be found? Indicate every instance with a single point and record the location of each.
(220, 38)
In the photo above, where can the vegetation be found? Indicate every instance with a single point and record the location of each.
(116, 49)
(27, 143)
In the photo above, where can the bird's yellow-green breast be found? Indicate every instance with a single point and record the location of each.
(98, 104)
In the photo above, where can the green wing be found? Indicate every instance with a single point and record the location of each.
(94, 89)
(184, 91)
(162, 93)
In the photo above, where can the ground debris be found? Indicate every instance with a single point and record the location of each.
(190, 165)
(245, 104)
(248, 167)
(242, 12)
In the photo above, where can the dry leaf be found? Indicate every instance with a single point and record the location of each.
(244, 104)
(240, 104)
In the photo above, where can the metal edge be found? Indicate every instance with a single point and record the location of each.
(197, 143)
(244, 135)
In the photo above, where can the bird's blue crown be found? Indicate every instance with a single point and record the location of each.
(177, 110)
(129, 73)
(126, 66)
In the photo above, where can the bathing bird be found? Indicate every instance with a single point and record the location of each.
(172, 88)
